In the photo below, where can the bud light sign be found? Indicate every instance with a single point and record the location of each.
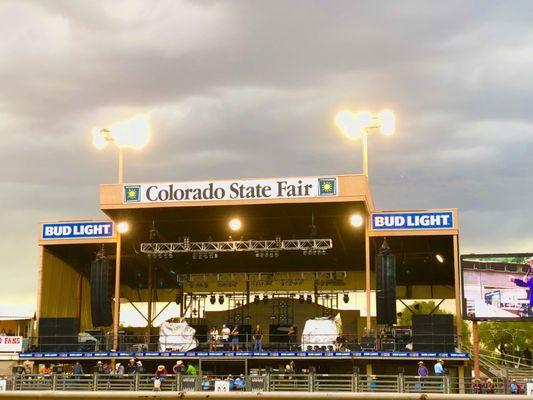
(413, 220)
(77, 230)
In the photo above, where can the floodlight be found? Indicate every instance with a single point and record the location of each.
(439, 258)
(122, 227)
(387, 122)
(356, 220)
(235, 224)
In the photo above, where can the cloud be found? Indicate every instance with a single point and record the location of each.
(250, 89)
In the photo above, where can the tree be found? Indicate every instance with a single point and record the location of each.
(514, 335)
(405, 317)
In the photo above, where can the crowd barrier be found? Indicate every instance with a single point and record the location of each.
(311, 382)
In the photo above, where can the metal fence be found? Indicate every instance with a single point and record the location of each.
(258, 383)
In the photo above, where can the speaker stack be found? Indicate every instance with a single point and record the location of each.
(385, 286)
(101, 280)
(433, 333)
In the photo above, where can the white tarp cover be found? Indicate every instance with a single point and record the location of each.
(320, 332)
(176, 336)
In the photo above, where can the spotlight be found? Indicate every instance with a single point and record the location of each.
(356, 220)
(309, 299)
(122, 227)
(346, 298)
(212, 299)
(265, 299)
(439, 258)
(301, 299)
(194, 256)
(235, 224)
(170, 255)
(216, 255)
(220, 299)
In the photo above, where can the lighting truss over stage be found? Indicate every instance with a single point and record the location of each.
(307, 246)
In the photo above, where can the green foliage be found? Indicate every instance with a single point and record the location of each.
(512, 334)
(419, 307)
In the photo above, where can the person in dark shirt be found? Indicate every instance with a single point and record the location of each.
(258, 338)
(292, 336)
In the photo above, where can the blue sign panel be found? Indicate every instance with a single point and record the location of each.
(413, 220)
(77, 230)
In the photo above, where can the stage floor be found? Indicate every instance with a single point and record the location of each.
(237, 355)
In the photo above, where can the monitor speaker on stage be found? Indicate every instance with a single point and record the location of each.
(386, 285)
(101, 281)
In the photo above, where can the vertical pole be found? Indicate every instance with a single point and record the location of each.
(120, 165)
(365, 153)
(367, 274)
(150, 293)
(475, 334)
(79, 295)
(116, 314)
(458, 300)
(39, 293)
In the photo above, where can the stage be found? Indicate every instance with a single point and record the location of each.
(241, 355)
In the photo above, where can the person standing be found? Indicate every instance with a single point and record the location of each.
(477, 387)
(235, 338)
(178, 368)
(191, 370)
(490, 386)
(258, 338)
(291, 333)
(77, 370)
(439, 368)
(213, 337)
(225, 336)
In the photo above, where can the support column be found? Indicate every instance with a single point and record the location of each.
(458, 299)
(116, 314)
(367, 274)
(39, 292)
(79, 295)
(475, 334)
(150, 294)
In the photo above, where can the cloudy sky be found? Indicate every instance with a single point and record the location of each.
(250, 89)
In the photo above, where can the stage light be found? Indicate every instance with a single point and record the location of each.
(309, 299)
(235, 224)
(122, 227)
(356, 220)
(221, 299)
(346, 298)
(439, 258)
(301, 299)
(212, 299)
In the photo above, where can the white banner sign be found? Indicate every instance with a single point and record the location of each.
(11, 344)
(3, 385)
(281, 188)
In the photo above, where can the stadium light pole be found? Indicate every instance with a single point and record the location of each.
(133, 133)
(354, 125)
(122, 227)
(361, 123)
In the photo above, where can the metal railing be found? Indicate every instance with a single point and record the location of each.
(271, 382)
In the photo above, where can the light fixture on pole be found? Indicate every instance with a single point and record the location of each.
(133, 133)
(358, 124)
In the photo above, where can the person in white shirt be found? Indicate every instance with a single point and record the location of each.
(225, 336)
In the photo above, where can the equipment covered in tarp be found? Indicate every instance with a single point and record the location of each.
(177, 336)
(321, 333)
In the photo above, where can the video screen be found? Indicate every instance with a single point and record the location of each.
(498, 286)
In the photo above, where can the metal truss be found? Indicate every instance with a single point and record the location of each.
(237, 245)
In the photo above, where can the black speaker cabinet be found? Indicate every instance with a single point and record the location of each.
(386, 287)
(101, 281)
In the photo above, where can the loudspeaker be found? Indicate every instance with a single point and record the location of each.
(101, 280)
(386, 286)
(433, 333)
(58, 334)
